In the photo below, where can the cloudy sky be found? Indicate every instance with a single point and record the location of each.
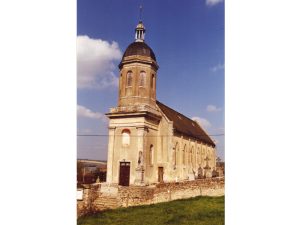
(187, 38)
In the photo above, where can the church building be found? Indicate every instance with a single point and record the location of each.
(150, 142)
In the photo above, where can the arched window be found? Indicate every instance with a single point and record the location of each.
(203, 155)
(151, 154)
(190, 157)
(176, 154)
(193, 157)
(211, 157)
(198, 157)
(125, 138)
(152, 81)
(142, 79)
(184, 155)
(129, 79)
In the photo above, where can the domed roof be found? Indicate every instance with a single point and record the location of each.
(139, 48)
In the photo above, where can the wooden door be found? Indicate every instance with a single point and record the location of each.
(124, 175)
(160, 174)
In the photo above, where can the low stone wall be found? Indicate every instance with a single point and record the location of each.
(103, 196)
(135, 195)
(187, 189)
(90, 194)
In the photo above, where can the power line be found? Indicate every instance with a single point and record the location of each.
(106, 135)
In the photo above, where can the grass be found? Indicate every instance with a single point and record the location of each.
(199, 210)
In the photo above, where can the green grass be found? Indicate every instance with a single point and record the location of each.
(199, 210)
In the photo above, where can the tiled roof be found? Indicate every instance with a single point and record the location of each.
(185, 125)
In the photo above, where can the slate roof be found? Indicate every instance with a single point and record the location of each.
(185, 125)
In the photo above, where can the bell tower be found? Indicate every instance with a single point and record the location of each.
(133, 124)
(138, 72)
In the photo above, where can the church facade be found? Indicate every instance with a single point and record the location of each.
(150, 142)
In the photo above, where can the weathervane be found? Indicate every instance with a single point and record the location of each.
(140, 16)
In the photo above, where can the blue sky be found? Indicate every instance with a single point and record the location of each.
(187, 38)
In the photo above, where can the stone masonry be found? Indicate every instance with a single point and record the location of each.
(122, 196)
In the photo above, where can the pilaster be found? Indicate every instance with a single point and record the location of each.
(110, 154)
(142, 157)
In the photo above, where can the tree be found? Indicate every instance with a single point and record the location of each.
(80, 167)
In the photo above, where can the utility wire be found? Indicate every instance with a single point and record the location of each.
(106, 135)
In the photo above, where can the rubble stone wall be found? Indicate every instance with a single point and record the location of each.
(90, 194)
(144, 195)
(134, 195)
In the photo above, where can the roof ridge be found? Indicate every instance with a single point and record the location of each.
(201, 133)
(177, 112)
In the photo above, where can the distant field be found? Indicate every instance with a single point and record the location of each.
(199, 210)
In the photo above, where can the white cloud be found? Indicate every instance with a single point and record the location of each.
(217, 67)
(203, 122)
(96, 60)
(87, 113)
(213, 2)
(212, 108)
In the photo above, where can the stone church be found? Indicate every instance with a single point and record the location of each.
(150, 142)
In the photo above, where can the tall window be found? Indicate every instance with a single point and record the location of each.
(184, 155)
(142, 79)
(198, 156)
(152, 81)
(151, 154)
(125, 138)
(120, 82)
(202, 155)
(211, 158)
(176, 154)
(193, 157)
(129, 79)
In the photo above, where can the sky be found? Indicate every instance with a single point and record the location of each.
(187, 37)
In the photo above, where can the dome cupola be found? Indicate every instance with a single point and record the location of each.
(139, 48)
(138, 69)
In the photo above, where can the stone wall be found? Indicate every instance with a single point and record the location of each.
(187, 189)
(134, 195)
(90, 194)
(97, 198)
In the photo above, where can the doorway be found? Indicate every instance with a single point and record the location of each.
(160, 174)
(124, 175)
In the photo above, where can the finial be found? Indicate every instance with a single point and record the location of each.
(140, 29)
